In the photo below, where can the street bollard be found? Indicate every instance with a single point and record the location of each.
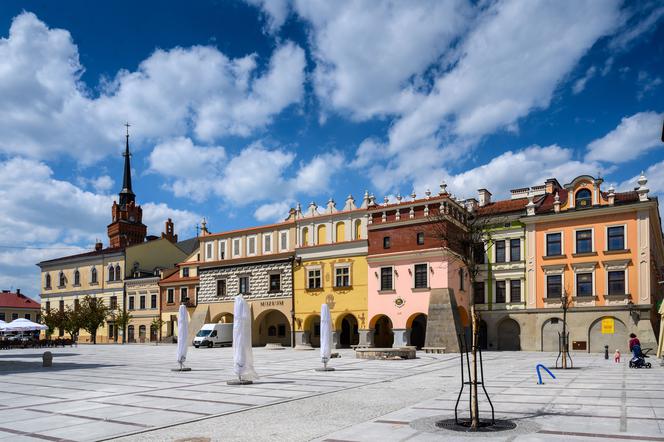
(47, 359)
(606, 352)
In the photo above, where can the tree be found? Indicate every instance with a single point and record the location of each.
(468, 246)
(52, 319)
(72, 322)
(93, 315)
(122, 319)
(156, 325)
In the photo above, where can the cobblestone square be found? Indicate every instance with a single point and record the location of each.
(129, 392)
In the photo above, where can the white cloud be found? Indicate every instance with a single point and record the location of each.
(314, 176)
(275, 12)
(368, 54)
(46, 111)
(646, 84)
(102, 183)
(634, 136)
(273, 212)
(580, 84)
(641, 19)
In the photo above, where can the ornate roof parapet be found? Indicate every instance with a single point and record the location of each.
(611, 195)
(386, 200)
(413, 195)
(372, 200)
(556, 203)
(642, 190)
(530, 207)
(365, 200)
(312, 210)
(443, 188)
(298, 211)
(427, 194)
(350, 202)
(331, 206)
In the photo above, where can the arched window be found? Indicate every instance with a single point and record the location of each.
(93, 275)
(61, 279)
(118, 276)
(48, 281)
(583, 199)
(77, 277)
(305, 236)
(340, 231)
(358, 229)
(322, 234)
(111, 273)
(141, 333)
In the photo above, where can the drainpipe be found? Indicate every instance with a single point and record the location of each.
(292, 263)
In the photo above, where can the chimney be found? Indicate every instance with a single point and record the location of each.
(18, 291)
(98, 246)
(484, 197)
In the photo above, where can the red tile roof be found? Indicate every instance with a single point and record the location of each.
(17, 300)
(503, 206)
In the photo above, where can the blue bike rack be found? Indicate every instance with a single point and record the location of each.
(539, 375)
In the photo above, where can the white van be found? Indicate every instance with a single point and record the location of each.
(214, 334)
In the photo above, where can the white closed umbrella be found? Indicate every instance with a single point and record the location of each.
(3, 325)
(325, 337)
(183, 339)
(243, 357)
(22, 324)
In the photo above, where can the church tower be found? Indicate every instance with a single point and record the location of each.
(127, 227)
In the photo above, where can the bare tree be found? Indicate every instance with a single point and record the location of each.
(468, 246)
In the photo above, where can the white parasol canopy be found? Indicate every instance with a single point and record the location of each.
(243, 357)
(183, 339)
(325, 334)
(3, 325)
(22, 324)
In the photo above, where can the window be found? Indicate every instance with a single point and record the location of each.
(283, 244)
(616, 238)
(61, 306)
(584, 284)
(142, 302)
(313, 279)
(198, 292)
(93, 276)
(244, 284)
(386, 278)
(236, 247)
(478, 253)
(170, 296)
(500, 292)
(114, 302)
(515, 250)
(111, 274)
(27, 316)
(185, 272)
(386, 242)
(421, 276)
(2, 317)
(515, 290)
(584, 241)
(251, 245)
(617, 282)
(275, 282)
(462, 281)
(500, 251)
(554, 244)
(131, 303)
(118, 276)
(153, 301)
(222, 249)
(47, 284)
(281, 330)
(183, 294)
(15, 316)
(267, 243)
(478, 292)
(420, 238)
(221, 287)
(305, 236)
(77, 277)
(342, 277)
(554, 286)
(583, 199)
(48, 306)
(61, 280)
(77, 304)
(208, 250)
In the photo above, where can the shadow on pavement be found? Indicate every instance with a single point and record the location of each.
(13, 367)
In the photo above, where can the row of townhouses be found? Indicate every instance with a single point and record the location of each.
(378, 264)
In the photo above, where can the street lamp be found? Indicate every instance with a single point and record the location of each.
(563, 341)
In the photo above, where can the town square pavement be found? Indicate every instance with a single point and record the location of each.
(129, 392)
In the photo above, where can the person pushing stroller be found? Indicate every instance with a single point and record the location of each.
(634, 347)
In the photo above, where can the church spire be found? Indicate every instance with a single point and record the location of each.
(126, 194)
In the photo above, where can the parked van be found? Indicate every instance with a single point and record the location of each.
(214, 334)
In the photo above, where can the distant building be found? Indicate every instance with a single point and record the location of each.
(14, 305)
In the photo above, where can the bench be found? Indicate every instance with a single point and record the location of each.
(434, 349)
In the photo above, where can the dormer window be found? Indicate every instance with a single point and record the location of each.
(583, 199)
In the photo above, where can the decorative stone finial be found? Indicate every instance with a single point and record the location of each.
(413, 195)
(350, 202)
(443, 188)
(385, 200)
(427, 193)
(530, 207)
(399, 197)
(556, 203)
(642, 190)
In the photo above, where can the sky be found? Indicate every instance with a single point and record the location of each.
(240, 110)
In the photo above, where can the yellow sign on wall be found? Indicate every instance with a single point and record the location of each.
(608, 326)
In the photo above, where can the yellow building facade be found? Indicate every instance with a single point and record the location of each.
(331, 267)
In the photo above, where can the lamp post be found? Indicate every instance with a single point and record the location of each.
(563, 299)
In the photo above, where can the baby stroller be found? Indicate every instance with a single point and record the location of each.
(640, 360)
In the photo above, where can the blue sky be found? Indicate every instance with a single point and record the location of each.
(241, 110)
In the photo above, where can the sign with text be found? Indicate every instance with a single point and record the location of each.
(272, 303)
(608, 326)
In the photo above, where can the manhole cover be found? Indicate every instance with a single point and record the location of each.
(485, 425)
